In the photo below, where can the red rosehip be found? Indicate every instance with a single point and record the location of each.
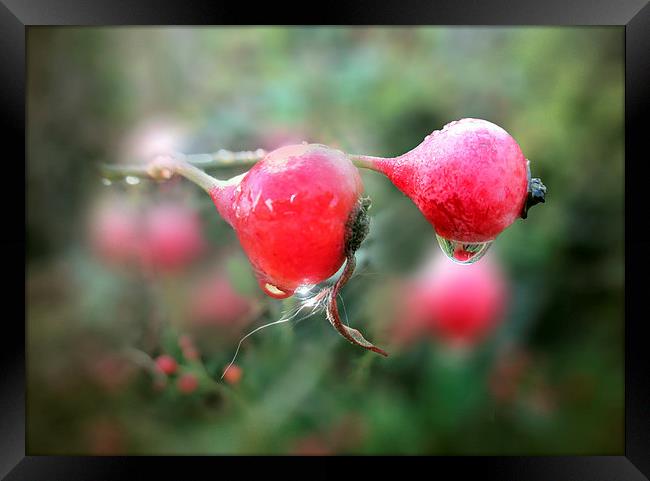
(459, 304)
(470, 180)
(166, 364)
(215, 302)
(233, 374)
(187, 383)
(290, 212)
(172, 237)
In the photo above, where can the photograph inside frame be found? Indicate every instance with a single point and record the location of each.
(325, 240)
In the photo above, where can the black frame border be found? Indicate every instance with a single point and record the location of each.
(634, 15)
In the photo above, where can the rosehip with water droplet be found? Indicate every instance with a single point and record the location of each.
(470, 180)
(290, 212)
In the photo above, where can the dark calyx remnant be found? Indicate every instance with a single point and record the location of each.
(358, 226)
(536, 193)
(357, 229)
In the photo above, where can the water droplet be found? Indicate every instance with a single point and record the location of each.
(106, 182)
(131, 180)
(463, 252)
(304, 291)
(274, 291)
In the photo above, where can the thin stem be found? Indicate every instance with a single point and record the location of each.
(366, 162)
(117, 172)
(226, 158)
(201, 162)
(196, 175)
(163, 168)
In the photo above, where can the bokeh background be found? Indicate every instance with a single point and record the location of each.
(120, 274)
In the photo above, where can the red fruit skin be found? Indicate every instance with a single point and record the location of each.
(233, 374)
(290, 213)
(469, 179)
(172, 237)
(215, 302)
(166, 364)
(460, 304)
(187, 383)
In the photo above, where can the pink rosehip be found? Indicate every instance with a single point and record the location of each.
(215, 302)
(470, 180)
(459, 304)
(172, 237)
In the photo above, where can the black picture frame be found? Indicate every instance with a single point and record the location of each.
(634, 15)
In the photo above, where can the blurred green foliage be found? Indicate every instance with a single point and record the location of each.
(378, 91)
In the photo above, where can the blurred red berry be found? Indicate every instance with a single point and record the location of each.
(459, 304)
(172, 237)
(166, 364)
(215, 302)
(233, 374)
(187, 383)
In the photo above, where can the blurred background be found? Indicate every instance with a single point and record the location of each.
(138, 292)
